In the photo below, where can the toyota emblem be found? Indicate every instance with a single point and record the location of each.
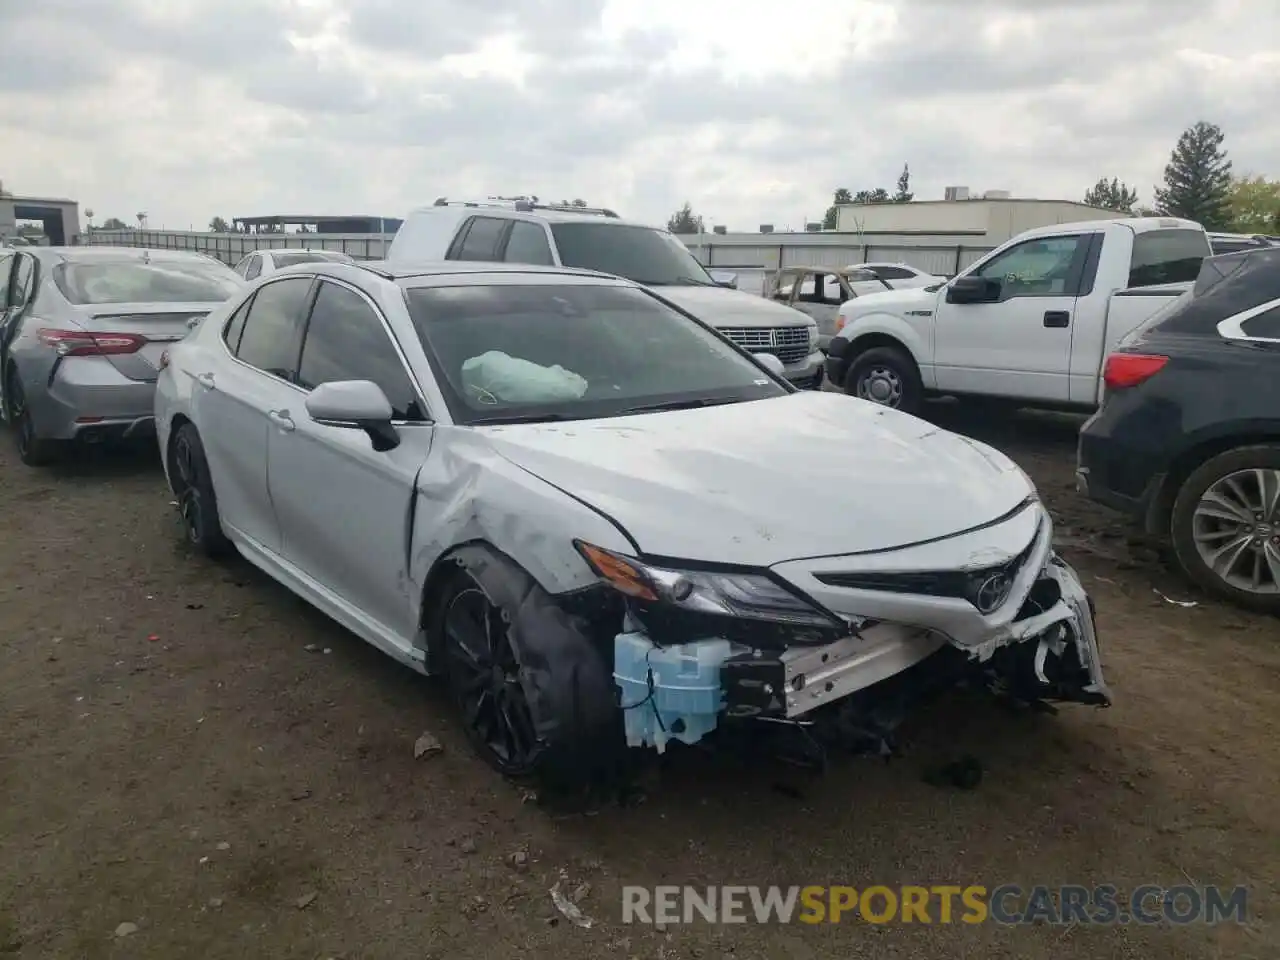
(991, 593)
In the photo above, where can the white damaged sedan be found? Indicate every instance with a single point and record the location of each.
(602, 522)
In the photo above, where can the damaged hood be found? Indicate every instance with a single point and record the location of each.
(757, 483)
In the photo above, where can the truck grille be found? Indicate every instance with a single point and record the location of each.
(788, 344)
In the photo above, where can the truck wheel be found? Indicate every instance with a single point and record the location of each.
(888, 376)
(1225, 526)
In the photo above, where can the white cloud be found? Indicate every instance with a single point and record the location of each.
(753, 111)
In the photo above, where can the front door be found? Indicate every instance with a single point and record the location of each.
(344, 507)
(819, 295)
(1019, 345)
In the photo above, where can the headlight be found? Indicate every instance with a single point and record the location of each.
(741, 596)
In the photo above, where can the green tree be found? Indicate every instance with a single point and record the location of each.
(114, 223)
(832, 217)
(904, 194)
(1197, 179)
(218, 225)
(1255, 205)
(684, 220)
(1111, 194)
(878, 195)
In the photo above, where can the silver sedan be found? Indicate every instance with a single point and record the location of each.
(81, 338)
(565, 494)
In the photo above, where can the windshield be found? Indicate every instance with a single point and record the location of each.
(573, 351)
(137, 281)
(289, 259)
(652, 257)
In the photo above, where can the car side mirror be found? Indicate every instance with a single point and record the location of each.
(724, 279)
(355, 405)
(771, 363)
(974, 290)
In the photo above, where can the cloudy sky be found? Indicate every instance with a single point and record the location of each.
(752, 110)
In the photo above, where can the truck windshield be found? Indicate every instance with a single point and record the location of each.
(644, 255)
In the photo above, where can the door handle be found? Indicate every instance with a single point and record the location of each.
(1057, 318)
(281, 419)
(206, 380)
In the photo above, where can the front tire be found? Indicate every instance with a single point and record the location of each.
(1225, 527)
(887, 376)
(193, 486)
(534, 692)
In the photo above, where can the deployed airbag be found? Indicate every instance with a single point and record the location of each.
(507, 379)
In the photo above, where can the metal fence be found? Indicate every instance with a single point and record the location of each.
(746, 252)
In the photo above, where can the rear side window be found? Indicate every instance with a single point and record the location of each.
(140, 281)
(480, 241)
(346, 340)
(527, 243)
(1264, 326)
(894, 273)
(1167, 256)
(254, 268)
(272, 334)
(235, 326)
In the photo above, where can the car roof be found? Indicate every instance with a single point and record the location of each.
(1136, 224)
(102, 253)
(460, 212)
(323, 253)
(408, 270)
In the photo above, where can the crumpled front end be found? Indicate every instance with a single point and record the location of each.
(864, 634)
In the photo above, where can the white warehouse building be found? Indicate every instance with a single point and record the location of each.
(987, 221)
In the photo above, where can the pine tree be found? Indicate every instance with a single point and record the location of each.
(904, 193)
(1112, 194)
(1198, 179)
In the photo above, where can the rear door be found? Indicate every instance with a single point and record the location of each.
(237, 393)
(481, 238)
(342, 505)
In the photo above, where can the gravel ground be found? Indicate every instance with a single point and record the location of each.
(190, 750)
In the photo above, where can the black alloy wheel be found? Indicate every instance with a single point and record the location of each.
(485, 676)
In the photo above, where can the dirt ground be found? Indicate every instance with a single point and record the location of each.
(189, 749)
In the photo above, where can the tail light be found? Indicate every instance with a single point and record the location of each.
(85, 343)
(839, 322)
(1124, 370)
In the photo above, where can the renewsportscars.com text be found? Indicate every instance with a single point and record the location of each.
(940, 904)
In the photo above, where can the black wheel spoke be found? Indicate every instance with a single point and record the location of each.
(484, 673)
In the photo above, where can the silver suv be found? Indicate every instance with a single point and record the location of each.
(590, 238)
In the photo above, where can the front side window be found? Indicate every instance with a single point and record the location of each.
(6, 269)
(573, 351)
(1167, 256)
(645, 255)
(105, 280)
(254, 269)
(23, 276)
(346, 340)
(1045, 267)
(273, 328)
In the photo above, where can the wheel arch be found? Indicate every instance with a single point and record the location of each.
(1159, 511)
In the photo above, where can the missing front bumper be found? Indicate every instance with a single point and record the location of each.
(1048, 653)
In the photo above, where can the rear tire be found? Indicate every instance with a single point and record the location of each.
(1223, 511)
(197, 503)
(887, 376)
(33, 449)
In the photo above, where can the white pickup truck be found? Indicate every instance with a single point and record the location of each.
(1030, 323)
